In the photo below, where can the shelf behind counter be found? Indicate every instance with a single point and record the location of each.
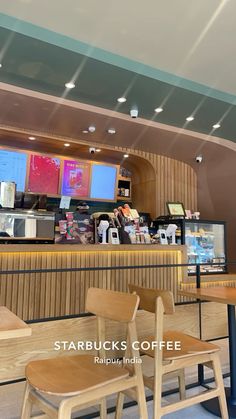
(35, 295)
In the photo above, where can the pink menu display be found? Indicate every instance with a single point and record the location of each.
(44, 174)
(76, 179)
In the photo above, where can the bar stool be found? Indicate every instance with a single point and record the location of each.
(192, 352)
(78, 380)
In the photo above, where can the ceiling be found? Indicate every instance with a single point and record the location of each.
(49, 145)
(36, 114)
(184, 37)
(178, 55)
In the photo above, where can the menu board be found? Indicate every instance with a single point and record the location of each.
(103, 182)
(44, 174)
(13, 168)
(75, 179)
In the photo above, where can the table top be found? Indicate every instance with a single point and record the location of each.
(225, 295)
(12, 326)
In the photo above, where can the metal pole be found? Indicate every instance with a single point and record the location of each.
(198, 276)
(198, 285)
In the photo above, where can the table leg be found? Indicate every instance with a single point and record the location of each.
(232, 353)
(213, 405)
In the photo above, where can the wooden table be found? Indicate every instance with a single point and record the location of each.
(12, 326)
(224, 295)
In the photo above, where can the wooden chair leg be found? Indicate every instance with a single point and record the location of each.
(103, 409)
(220, 385)
(157, 393)
(141, 401)
(182, 389)
(27, 404)
(64, 411)
(119, 405)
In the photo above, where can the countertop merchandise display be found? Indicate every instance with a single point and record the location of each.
(205, 241)
(75, 228)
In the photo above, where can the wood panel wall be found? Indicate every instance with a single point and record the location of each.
(16, 353)
(163, 179)
(42, 295)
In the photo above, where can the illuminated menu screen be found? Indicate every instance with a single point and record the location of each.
(13, 168)
(103, 182)
(75, 179)
(44, 174)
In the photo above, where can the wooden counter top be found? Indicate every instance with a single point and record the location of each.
(225, 295)
(13, 248)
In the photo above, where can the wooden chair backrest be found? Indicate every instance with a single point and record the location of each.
(159, 302)
(116, 306)
(148, 298)
(112, 305)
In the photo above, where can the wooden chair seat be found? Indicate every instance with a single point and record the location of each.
(81, 381)
(190, 346)
(71, 375)
(193, 352)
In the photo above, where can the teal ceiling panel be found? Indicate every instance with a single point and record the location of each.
(45, 67)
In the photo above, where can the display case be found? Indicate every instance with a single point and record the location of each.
(205, 241)
(22, 226)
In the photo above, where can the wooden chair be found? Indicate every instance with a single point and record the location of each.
(193, 352)
(78, 379)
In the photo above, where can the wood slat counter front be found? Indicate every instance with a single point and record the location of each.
(51, 294)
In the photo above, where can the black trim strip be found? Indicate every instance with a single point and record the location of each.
(50, 319)
(108, 268)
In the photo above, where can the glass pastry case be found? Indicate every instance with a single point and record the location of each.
(205, 241)
(22, 226)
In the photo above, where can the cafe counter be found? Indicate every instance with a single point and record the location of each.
(43, 281)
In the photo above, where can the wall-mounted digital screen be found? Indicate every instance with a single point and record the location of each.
(75, 179)
(44, 174)
(103, 182)
(13, 166)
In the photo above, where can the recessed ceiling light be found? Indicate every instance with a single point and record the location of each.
(32, 138)
(70, 85)
(66, 144)
(121, 99)
(0, 65)
(85, 131)
(126, 156)
(98, 150)
(92, 128)
(111, 131)
(158, 110)
(216, 126)
(190, 118)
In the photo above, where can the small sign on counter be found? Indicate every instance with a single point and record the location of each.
(65, 202)
(7, 195)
